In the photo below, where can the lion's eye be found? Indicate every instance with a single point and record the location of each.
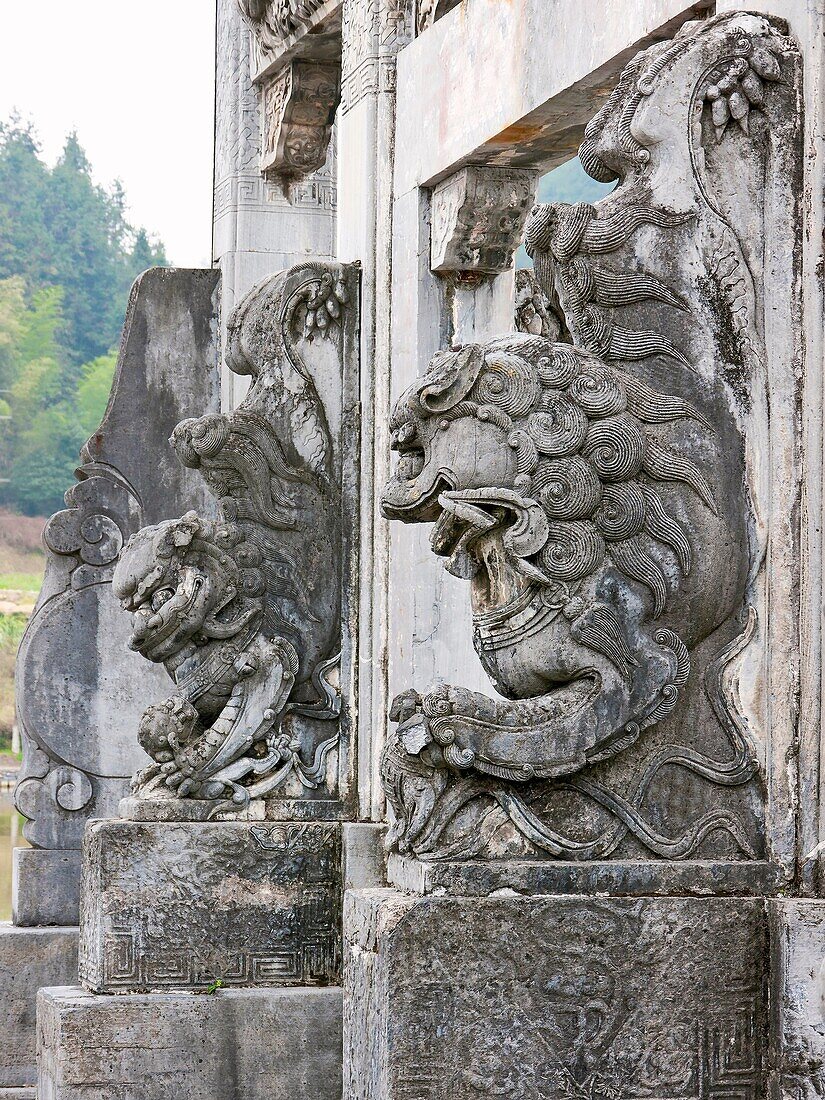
(162, 596)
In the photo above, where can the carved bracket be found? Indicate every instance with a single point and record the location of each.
(477, 217)
(299, 110)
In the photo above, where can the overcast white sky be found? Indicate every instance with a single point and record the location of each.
(136, 82)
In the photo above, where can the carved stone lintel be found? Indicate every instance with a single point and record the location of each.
(299, 110)
(477, 218)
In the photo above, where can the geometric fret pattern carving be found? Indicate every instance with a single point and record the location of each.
(179, 906)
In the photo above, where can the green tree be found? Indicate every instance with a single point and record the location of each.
(68, 257)
(93, 392)
(59, 228)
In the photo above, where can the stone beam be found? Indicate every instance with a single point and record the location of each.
(480, 85)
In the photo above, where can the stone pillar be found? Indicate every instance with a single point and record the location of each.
(646, 488)
(806, 23)
(372, 34)
(260, 225)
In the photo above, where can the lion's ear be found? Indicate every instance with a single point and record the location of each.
(450, 377)
(178, 535)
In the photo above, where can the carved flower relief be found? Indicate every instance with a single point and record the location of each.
(737, 86)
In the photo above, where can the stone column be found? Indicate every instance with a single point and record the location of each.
(373, 32)
(260, 226)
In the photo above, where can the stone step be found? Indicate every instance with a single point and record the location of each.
(234, 1044)
(29, 958)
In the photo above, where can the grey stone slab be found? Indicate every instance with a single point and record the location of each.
(29, 958)
(364, 855)
(80, 690)
(552, 996)
(178, 906)
(45, 887)
(250, 1044)
(18, 1094)
(798, 993)
(531, 112)
(619, 878)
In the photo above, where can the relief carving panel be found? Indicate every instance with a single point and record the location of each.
(605, 490)
(180, 906)
(79, 690)
(661, 999)
(250, 612)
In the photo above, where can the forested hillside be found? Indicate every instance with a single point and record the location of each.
(68, 257)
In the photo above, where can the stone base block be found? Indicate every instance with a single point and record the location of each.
(250, 1044)
(29, 959)
(798, 967)
(45, 887)
(18, 1094)
(181, 905)
(463, 997)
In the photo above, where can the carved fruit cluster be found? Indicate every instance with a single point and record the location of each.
(739, 85)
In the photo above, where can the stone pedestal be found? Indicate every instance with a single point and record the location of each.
(239, 1044)
(183, 905)
(29, 958)
(553, 996)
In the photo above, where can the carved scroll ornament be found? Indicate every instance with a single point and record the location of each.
(611, 534)
(245, 611)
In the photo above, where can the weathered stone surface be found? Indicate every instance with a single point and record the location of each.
(45, 887)
(547, 996)
(616, 878)
(179, 906)
(502, 99)
(283, 29)
(80, 691)
(18, 1094)
(249, 1044)
(631, 568)
(477, 217)
(258, 229)
(797, 1061)
(365, 863)
(251, 613)
(29, 958)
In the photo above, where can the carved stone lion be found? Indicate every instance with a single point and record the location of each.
(195, 590)
(576, 500)
(244, 611)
